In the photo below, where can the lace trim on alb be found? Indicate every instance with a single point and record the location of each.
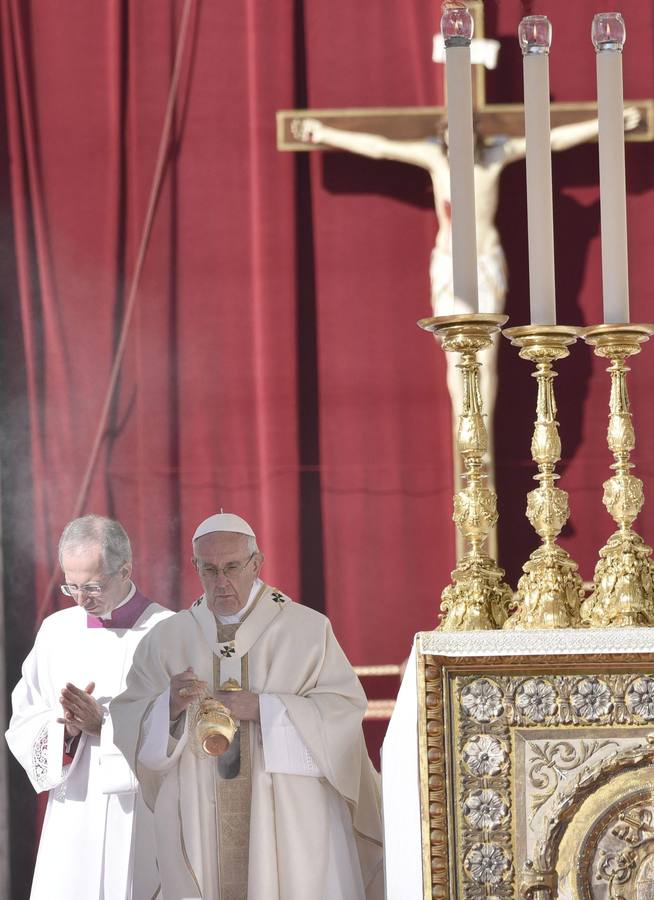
(310, 766)
(60, 789)
(40, 757)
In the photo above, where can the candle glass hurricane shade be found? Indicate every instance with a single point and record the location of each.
(535, 34)
(608, 31)
(457, 27)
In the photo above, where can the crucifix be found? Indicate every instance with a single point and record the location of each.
(418, 136)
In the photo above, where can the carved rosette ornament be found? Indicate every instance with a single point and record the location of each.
(551, 590)
(624, 576)
(478, 598)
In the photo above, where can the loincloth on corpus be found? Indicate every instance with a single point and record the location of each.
(491, 276)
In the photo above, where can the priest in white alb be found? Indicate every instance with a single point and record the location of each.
(291, 811)
(61, 729)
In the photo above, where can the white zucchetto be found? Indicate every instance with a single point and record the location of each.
(223, 522)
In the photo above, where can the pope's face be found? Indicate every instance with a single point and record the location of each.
(85, 570)
(214, 553)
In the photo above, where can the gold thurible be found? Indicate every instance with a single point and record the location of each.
(477, 598)
(551, 590)
(214, 726)
(623, 583)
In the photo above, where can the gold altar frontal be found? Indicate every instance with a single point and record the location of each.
(536, 763)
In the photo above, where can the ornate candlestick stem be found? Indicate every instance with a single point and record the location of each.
(551, 590)
(477, 597)
(624, 590)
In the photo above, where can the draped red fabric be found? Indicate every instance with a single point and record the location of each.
(205, 411)
(273, 365)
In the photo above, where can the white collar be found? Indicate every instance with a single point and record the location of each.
(236, 617)
(129, 596)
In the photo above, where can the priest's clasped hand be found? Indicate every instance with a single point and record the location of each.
(82, 712)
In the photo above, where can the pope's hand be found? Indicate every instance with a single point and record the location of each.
(243, 705)
(632, 117)
(185, 688)
(309, 131)
(81, 711)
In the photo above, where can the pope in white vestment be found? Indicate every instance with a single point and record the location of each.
(88, 849)
(299, 818)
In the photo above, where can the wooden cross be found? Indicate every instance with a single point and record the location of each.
(411, 123)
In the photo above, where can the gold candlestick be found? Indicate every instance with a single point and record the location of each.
(624, 589)
(551, 590)
(477, 597)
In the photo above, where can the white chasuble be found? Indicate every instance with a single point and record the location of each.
(314, 815)
(87, 849)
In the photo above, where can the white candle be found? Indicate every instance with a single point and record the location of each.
(535, 34)
(608, 35)
(457, 27)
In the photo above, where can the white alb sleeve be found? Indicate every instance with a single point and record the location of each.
(159, 750)
(284, 751)
(116, 775)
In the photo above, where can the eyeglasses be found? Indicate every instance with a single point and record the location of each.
(230, 570)
(92, 589)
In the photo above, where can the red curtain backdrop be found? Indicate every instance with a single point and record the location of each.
(273, 366)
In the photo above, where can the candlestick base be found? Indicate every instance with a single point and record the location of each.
(477, 597)
(549, 593)
(624, 575)
(551, 590)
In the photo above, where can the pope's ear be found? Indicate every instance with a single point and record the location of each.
(125, 570)
(195, 563)
(258, 562)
